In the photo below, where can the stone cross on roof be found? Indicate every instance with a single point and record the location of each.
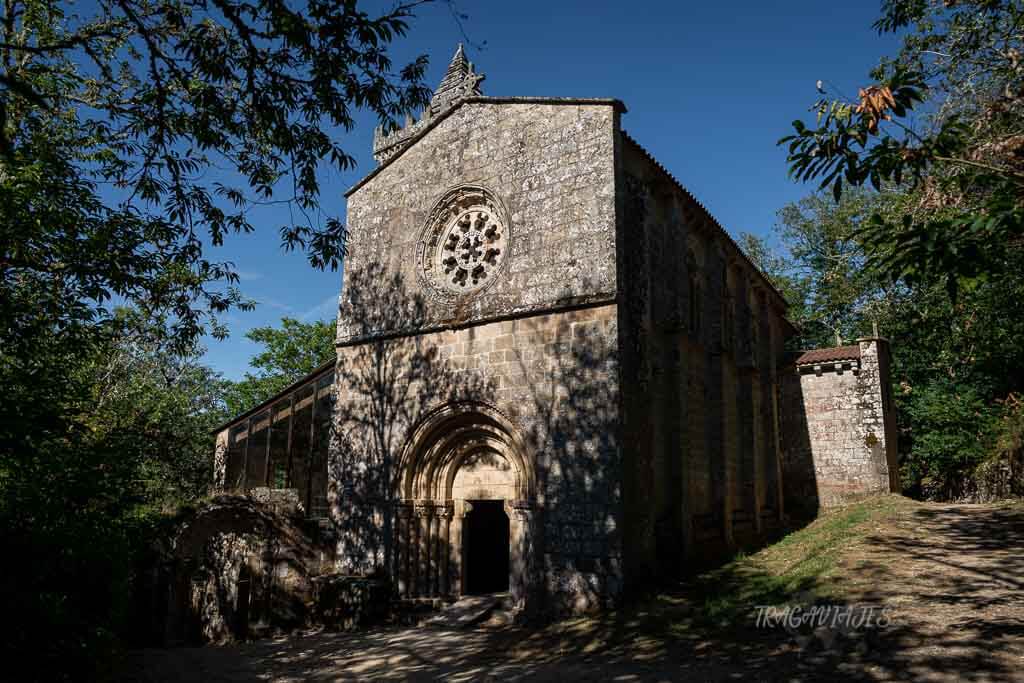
(460, 80)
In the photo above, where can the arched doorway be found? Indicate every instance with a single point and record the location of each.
(464, 514)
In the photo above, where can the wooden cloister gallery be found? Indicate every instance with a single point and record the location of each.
(282, 443)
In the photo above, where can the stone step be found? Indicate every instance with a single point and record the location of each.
(466, 612)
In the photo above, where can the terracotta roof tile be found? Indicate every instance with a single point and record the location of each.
(835, 353)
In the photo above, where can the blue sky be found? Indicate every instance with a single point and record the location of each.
(709, 88)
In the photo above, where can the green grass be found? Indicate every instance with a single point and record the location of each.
(795, 568)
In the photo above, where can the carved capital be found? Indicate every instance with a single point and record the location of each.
(520, 510)
(404, 509)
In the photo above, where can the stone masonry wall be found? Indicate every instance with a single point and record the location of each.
(878, 427)
(838, 430)
(551, 166)
(235, 565)
(536, 341)
(555, 377)
(701, 335)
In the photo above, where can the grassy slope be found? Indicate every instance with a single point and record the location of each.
(800, 566)
(797, 568)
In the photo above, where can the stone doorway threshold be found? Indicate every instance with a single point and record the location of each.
(469, 611)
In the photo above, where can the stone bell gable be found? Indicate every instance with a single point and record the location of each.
(556, 375)
(460, 81)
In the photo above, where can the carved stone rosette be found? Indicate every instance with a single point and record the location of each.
(464, 245)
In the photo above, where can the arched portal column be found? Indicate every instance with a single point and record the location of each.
(403, 532)
(521, 556)
(444, 550)
(462, 547)
(457, 549)
(424, 513)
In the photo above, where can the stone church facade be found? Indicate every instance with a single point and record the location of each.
(556, 375)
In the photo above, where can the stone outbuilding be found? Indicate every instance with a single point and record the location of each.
(839, 433)
(557, 375)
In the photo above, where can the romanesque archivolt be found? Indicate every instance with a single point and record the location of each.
(464, 245)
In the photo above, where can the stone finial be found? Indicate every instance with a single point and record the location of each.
(460, 80)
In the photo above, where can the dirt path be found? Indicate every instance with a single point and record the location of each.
(952, 577)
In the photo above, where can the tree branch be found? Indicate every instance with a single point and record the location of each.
(1016, 175)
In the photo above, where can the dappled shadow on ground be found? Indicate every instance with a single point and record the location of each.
(951, 576)
(572, 650)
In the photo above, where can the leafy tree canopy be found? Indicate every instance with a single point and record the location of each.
(98, 438)
(289, 353)
(820, 268)
(133, 134)
(132, 129)
(943, 118)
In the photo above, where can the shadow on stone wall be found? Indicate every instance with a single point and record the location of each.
(573, 392)
(385, 386)
(557, 383)
(242, 567)
(799, 482)
(235, 567)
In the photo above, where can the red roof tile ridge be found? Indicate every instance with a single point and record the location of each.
(833, 353)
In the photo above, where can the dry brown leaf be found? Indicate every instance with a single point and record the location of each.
(875, 100)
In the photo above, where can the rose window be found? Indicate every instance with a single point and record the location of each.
(465, 243)
(471, 250)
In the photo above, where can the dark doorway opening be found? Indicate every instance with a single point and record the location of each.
(242, 603)
(486, 547)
